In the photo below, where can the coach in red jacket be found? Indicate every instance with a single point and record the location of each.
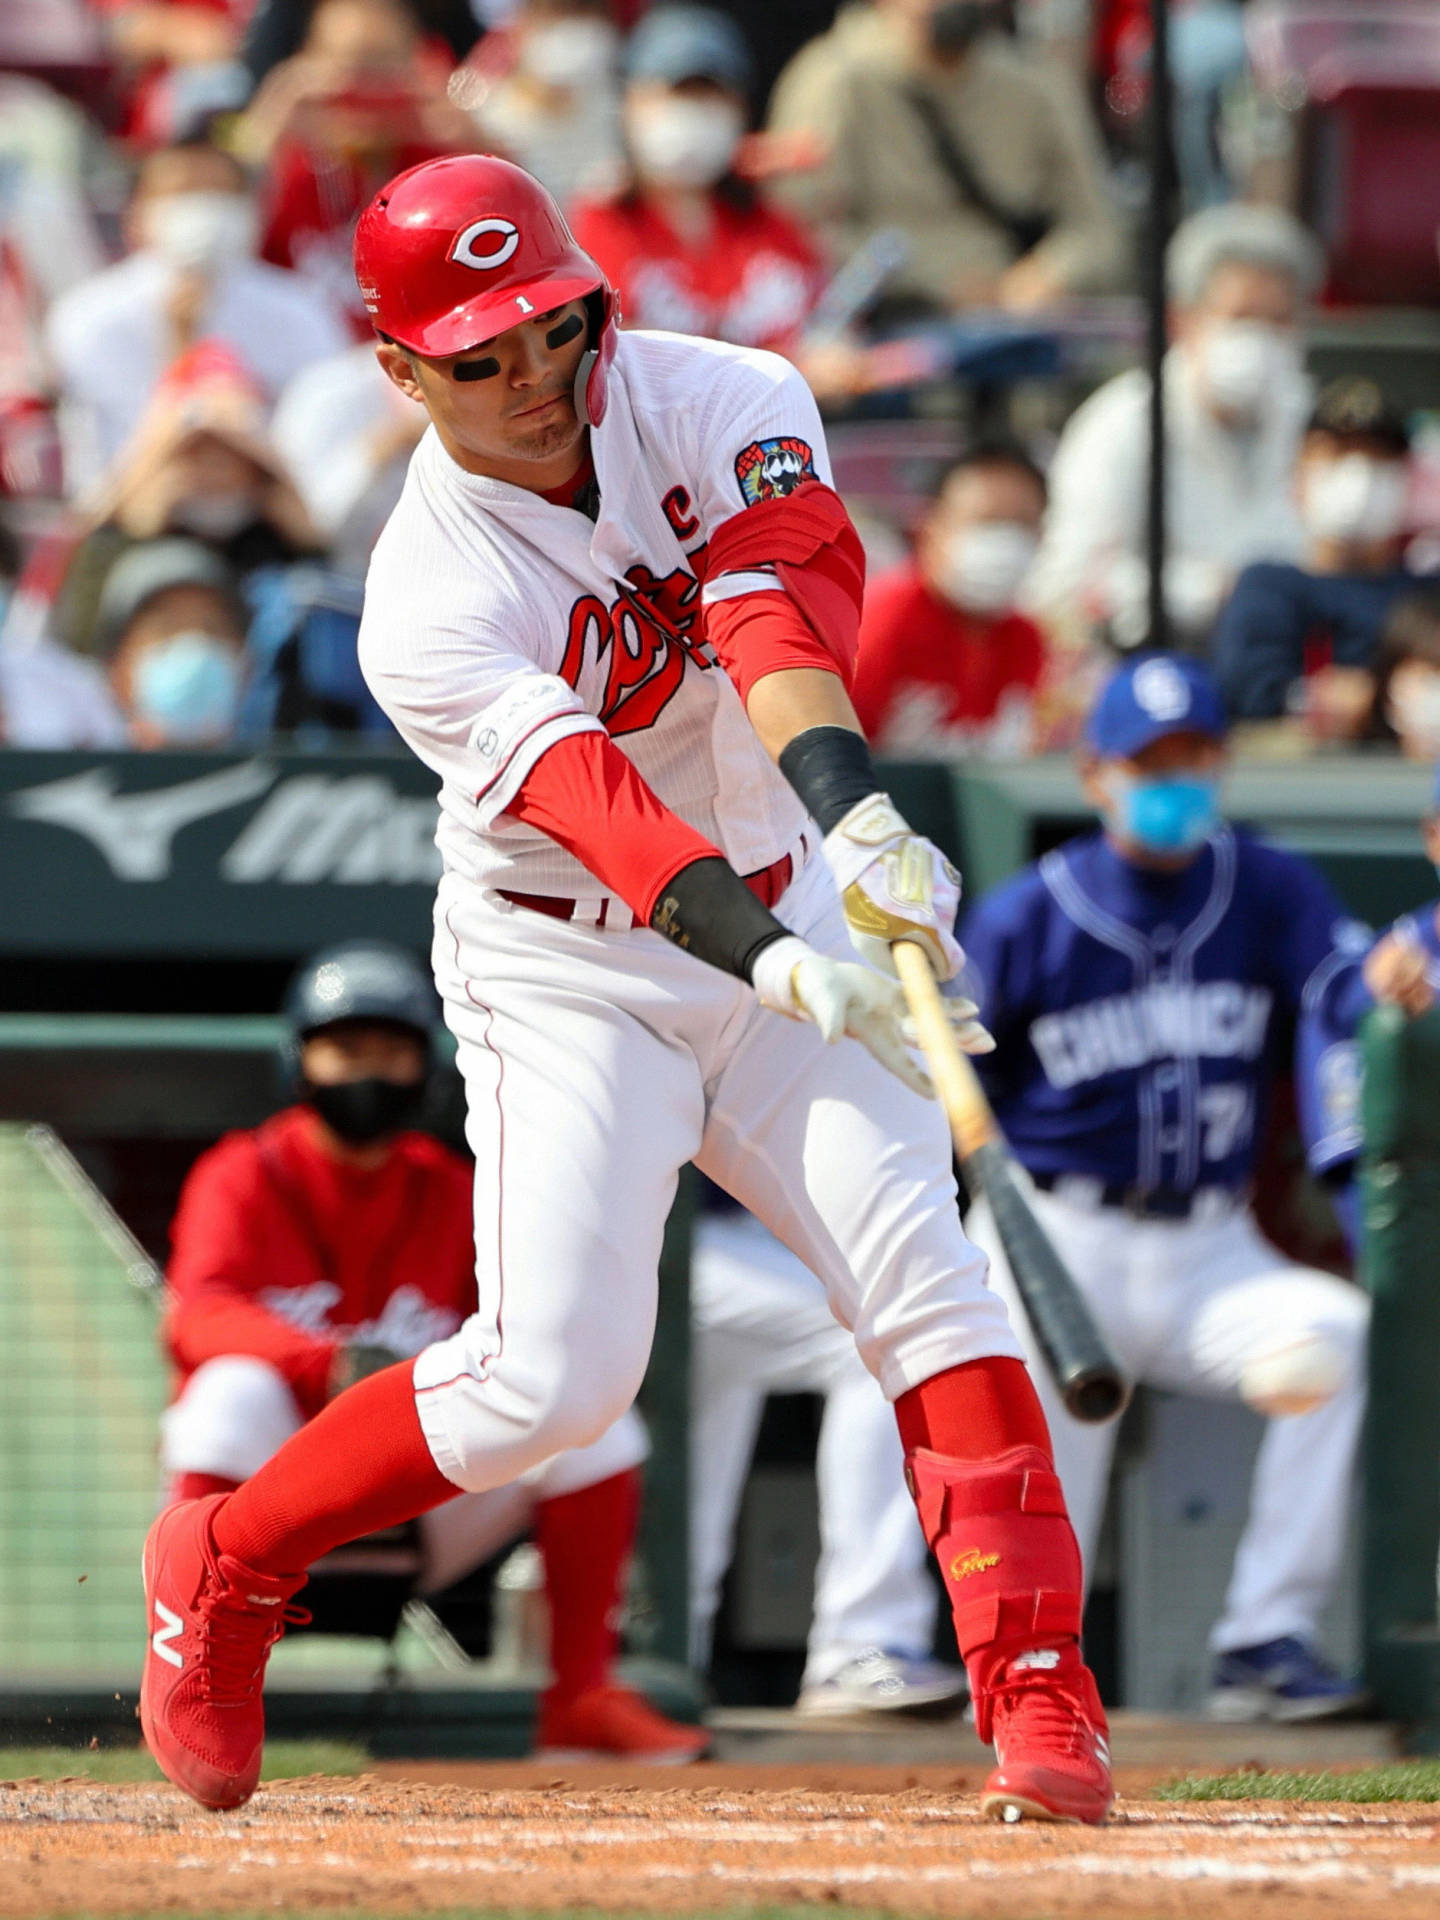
(334, 1239)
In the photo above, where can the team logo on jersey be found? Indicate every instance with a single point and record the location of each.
(640, 643)
(485, 243)
(769, 469)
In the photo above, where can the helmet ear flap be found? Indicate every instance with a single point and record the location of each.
(602, 309)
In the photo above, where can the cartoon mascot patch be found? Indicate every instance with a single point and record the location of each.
(769, 469)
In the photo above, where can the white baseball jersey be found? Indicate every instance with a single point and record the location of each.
(496, 624)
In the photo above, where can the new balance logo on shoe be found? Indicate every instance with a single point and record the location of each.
(1046, 1658)
(163, 1635)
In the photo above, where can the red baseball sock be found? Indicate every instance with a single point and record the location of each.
(361, 1464)
(974, 1412)
(585, 1540)
(195, 1486)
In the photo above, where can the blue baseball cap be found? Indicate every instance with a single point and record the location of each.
(1156, 694)
(675, 43)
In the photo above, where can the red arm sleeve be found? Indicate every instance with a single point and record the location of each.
(807, 539)
(215, 1270)
(587, 796)
(759, 633)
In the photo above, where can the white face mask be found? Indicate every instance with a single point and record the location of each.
(1355, 498)
(685, 143)
(1413, 710)
(1245, 365)
(205, 231)
(214, 516)
(570, 53)
(982, 567)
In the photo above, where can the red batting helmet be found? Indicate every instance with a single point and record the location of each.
(456, 250)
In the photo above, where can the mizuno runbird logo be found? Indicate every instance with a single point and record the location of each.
(172, 1629)
(972, 1561)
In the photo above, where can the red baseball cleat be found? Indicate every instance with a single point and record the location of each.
(212, 1624)
(612, 1723)
(1051, 1741)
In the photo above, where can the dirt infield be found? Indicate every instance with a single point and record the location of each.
(372, 1844)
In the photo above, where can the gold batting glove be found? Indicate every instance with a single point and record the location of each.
(894, 885)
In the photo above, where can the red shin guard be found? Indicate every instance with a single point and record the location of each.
(1008, 1554)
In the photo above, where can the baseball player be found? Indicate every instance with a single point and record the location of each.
(1136, 980)
(297, 1268)
(615, 611)
(760, 1324)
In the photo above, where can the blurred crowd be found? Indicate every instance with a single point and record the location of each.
(933, 206)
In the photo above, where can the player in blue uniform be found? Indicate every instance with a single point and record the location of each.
(1136, 981)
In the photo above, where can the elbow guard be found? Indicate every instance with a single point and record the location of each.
(809, 541)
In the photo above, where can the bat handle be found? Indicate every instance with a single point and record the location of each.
(971, 1123)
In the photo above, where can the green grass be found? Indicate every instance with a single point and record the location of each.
(284, 1760)
(1400, 1780)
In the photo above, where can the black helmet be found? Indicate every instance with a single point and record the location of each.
(357, 980)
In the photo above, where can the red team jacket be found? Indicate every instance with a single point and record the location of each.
(923, 660)
(282, 1252)
(752, 282)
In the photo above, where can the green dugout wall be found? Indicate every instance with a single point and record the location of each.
(1401, 1189)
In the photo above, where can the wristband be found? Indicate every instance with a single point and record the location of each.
(831, 770)
(709, 911)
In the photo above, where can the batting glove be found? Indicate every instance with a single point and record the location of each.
(839, 997)
(895, 885)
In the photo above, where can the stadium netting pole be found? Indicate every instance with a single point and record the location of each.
(1158, 227)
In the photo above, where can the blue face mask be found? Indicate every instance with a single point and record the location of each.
(1165, 816)
(188, 688)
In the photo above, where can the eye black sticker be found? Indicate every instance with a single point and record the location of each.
(563, 334)
(484, 369)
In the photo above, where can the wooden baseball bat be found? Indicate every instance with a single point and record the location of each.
(1075, 1350)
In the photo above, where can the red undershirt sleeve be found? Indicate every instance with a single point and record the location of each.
(759, 633)
(589, 799)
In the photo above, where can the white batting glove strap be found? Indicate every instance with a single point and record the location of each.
(895, 885)
(839, 998)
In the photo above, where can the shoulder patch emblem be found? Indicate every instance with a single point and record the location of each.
(769, 469)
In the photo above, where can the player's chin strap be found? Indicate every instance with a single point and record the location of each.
(1000, 1533)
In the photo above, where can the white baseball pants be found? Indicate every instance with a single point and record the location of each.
(596, 1063)
(1191, 1306)
(235, 1411)
(761, 1324)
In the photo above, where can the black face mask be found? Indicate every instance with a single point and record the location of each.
(955, 25)
(364, 1111)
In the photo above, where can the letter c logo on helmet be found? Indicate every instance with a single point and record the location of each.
(464, 252)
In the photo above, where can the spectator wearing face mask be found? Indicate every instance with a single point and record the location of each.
(362, 100)
(202, 465)
(191, 274)
(690, 247)
(1236, 402)
(172, 626)
(924, 116)
(1303, 638)
(947, 666)
(552, 104)
(1406, 708)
